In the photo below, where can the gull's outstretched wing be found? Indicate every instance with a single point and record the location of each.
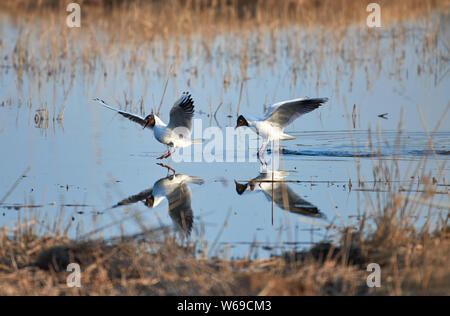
(135, 198)
(132, 117)
(182, 112)
(284, 113)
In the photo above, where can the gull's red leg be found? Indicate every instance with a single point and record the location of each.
(162, 156)
(265, 149)
(259, 150)
(170, 153)
(263, 153)
(168, 168)
(167, 154)
(259, 155)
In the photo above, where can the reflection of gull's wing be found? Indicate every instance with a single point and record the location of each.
(135, 198)
(174, 188)
(180, 210)
(288, 200)
(279, 192)
(178, 195)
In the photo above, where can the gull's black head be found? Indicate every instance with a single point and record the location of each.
(240, 188)
(149, 121)
(241, 121)
(149, 201)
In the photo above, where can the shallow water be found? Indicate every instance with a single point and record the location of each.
(92, 159)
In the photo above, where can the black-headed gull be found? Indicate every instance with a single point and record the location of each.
(278, 116)
(271, 183)
(177, 133)
(174, 188)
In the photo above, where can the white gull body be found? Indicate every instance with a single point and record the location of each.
(176, 134)
(278, 117)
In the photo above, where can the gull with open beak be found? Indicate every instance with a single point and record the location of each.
(177, 133)
(278, 116)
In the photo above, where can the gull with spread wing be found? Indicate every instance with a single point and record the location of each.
(278, 116)
(177, 133)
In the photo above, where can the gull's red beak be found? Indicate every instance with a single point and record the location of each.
(147, 123)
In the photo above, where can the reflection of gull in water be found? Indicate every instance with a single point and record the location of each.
(174, 188)
(274, 188)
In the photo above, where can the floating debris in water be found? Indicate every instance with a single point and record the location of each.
(354, 116)
(41, 117)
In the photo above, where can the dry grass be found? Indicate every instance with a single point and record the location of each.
(147, 19)
(411, 263)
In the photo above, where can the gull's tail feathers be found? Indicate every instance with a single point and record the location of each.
(286, 137)
(197, 141)
(195, 180)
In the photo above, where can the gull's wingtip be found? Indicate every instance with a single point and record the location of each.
(102, 102)
(322, 100)
(98, 100)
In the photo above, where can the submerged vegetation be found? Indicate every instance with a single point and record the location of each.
(402, 219)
